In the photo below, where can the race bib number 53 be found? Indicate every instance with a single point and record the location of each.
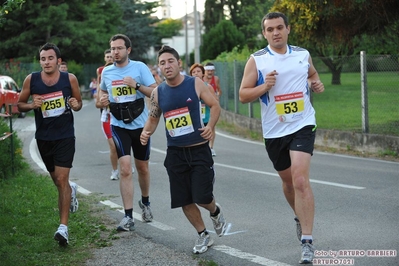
(289, 107)
(178, 122)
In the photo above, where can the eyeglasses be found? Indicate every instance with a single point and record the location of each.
(120, 48)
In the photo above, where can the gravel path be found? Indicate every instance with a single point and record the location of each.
(132, 249)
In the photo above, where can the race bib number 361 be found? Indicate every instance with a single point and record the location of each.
(178, 122)
(53, 104)
(290, 107)
(122, 93)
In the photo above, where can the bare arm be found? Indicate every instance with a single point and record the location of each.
(248, 90)
(218, 89)
(98, 94)
(23, 105)
(153, 118)
(313, 78)
(209, 99)
(76, 100)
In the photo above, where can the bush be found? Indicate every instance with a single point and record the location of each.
(10, 146)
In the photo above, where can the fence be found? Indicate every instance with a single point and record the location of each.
(347, 104)
(343, 105)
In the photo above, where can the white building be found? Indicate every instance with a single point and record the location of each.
(185, 42)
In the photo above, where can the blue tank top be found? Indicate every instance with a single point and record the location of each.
(57, 122)
(181, 109)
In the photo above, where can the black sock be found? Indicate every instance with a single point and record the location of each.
(145, 200)
(216, 212)
(203, 231)
(129, 213)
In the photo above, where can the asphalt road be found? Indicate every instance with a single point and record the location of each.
(357, 200)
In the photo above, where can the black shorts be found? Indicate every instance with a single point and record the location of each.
(191, 175)
(57, 152)
(278, 149)
(128, 139)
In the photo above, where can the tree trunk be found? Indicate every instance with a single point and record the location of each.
(336, 77)
(335, 66)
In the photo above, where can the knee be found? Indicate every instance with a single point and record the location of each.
(300, 183)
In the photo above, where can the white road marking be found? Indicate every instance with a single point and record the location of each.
(248, 256)
(275, 174)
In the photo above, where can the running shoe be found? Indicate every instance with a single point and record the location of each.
(74, 201)
(126, 224)
(219, 223)
(61, 236)
(213, 152)
(203, 242)
(298, 228)
(146, 214)
(307, 253)
(114, 175)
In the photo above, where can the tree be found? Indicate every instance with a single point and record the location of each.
(81, 29)
(331, 27)
(250, 17)
(245, 15)
(222, 38)
(168, 28)
(139, 26)
(8, 7)
(213, 13)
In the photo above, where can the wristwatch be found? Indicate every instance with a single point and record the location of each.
(138, 85)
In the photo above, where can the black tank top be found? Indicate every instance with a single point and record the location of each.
(57, 122)
(178, 102)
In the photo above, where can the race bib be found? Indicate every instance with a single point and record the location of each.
(53, 104)
(178, 122)
(203, 110)
(290, 107)
(122, 93)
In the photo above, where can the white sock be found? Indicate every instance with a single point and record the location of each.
(63, 226)
(307, 238)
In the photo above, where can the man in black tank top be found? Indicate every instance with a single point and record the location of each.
(54, 95)
(188, 161)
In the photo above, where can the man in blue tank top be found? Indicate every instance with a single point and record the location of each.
(54, 95)
(188, 161)
(124, 85)
(281, 77)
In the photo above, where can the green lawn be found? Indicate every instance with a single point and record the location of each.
(339, 106)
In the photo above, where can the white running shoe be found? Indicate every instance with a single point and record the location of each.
(146, 214)
(74, 201)
(114, 175)
(61, 236)
(307, 253)
(126, 224)
(298, 228)
(203, 242)
(219, 223)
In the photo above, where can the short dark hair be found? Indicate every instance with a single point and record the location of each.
(168, 49)
(49, 46)
(128, 43)
(209, 64)
(107, 51)
(64, 63)
(273, 15)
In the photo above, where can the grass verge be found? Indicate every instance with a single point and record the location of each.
(29, 218)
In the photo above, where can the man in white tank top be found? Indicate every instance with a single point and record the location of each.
(282, 76)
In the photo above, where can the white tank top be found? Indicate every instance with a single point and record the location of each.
(285, 108)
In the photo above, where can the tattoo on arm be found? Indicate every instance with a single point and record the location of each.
(155, 111)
